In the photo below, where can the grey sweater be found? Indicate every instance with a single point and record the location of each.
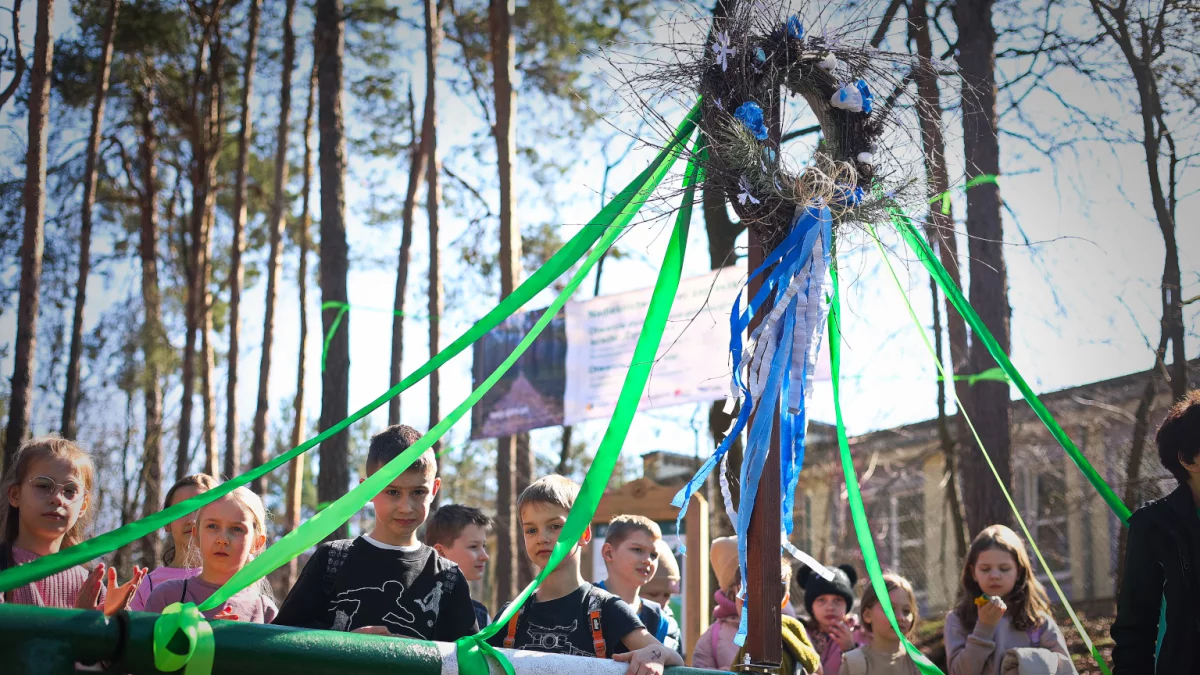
(981, 652)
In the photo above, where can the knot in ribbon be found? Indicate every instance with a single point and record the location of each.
(185, 619)
(473, 652)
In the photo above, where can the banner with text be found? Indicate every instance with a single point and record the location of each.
(573, 371)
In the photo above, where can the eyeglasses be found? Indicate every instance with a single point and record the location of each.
(45, 487)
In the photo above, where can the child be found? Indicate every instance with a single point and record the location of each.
(459, 534)
(568, 615)
(665, 585)
(1164, 544)
(1001, 606)
(386, 582)
(715, 650)
(630, 554)
(885, 655)
(799, 654)
(47, 507)
(229, 533)
(834, 628)
(178, 546)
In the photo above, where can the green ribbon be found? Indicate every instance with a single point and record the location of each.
(343, 308)
(473, 650)
(857, 512)
(989, 375)
(921, 247)
(1004, 489)
(616, 215)
(981, 179)
(187, 620)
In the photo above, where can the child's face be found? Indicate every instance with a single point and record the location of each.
(403, 505)
(540, 526)
(228, 538)
(996, 572)
(469, 552)
(181, 528)
(634, 560)
(876, 619)
(50, 498)
(829, 610)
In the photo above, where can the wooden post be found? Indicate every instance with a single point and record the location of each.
(697, 593)
(764, 591)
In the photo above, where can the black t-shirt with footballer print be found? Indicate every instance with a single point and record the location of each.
(563, 625)
(414, 593)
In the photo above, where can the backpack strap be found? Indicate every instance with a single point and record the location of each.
(335, 558)
(511, 637)
(596, 626)
(856, 662)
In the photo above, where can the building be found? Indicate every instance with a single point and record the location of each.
(904, 484)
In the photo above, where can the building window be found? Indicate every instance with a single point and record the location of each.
(898, 523)
(1040, 492)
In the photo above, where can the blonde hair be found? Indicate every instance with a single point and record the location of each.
(622, 527)
(554, 490)
(203, 483)
(1027, 601)
(250, 501)
(43, 447)
(891, 582)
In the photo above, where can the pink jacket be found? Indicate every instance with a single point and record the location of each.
(715, 649)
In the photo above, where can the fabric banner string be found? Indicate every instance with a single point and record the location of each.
(472, 651)
(988, 458)
(616, 215)
(857, 512)
(921, 247)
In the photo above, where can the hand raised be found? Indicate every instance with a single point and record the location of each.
(990, 613)
(118, 598)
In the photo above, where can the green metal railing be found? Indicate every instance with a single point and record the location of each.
(48, 641)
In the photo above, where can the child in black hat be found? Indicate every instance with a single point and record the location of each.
(833, 627)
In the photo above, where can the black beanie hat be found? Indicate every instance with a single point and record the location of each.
(815, 585)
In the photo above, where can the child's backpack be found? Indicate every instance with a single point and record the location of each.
(338, 552)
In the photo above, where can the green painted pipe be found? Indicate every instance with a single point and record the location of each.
(49, 641)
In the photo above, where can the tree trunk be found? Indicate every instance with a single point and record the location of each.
(153, 336)
(258, 447)
(295, 486)
(510, 462)
(71, 396)
(564, 455)
(416, 174)
(34, 236)
(433, 42)
(990, 403)
(940, 232)
(239, 229)
(208, 367)
(204, 130)
(330, 39)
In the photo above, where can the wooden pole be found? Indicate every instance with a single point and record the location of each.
(764, 591)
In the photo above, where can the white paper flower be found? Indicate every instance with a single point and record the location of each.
(723, 50)
(828, 62)
(847, 98)
(744, 195)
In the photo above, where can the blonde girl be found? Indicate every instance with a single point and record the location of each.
(884, 655)
(1001, 607)
(176, 550)
(47, 507)
(227, 535)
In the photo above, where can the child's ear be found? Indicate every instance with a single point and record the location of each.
(606, 552)
(441, 550)
(14, 496)
(437, 485)
(259, 543)
(587, 536)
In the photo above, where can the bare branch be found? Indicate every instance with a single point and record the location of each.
(18, 58)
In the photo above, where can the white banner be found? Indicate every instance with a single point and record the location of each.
(693, 360)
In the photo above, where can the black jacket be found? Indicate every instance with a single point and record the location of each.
(1161, 559)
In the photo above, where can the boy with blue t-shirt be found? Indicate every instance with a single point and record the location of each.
(631, 554)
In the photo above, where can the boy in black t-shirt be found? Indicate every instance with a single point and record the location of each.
(568, 615)
(459, 534)
(631, 553)
(386, 582)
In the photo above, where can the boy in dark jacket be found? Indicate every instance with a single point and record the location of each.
(1162, 580)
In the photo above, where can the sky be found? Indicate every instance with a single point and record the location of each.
(1084, 291)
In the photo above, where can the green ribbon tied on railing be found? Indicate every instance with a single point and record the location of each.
(185, 620)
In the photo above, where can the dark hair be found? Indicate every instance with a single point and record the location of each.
(203, 483)
(389, 443)
(622, 527)
(447, 523)
(18, 470)
(554, 489)
(891, 582)
(1178, 438)
(1027, 602)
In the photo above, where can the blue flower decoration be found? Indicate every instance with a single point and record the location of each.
(795, 29)
(760, 55)
(751, 115)
(867, 98)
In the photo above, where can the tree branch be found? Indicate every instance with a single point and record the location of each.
(18, 58)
